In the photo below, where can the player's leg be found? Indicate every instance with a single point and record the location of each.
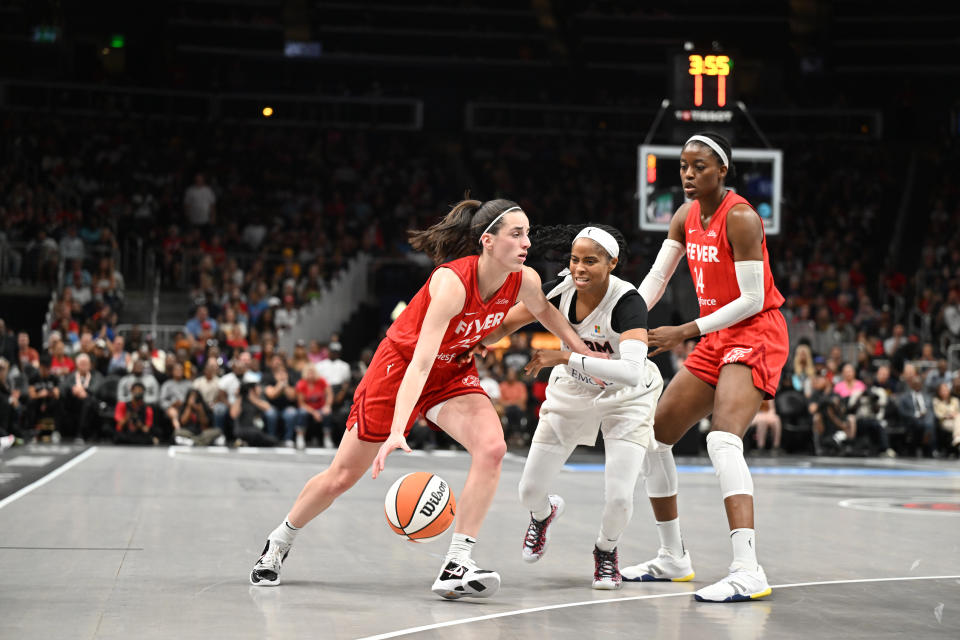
(352, 460)
(472, 421)
(623, 464)
(686, 401)
(737, 401)
(546, 457)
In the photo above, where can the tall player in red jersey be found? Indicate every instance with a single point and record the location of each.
(419, 369)
(734, 367)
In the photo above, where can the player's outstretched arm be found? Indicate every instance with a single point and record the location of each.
(447, 296)
(665, 264)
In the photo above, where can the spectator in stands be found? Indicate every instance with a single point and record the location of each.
(81, 408)
(767, 420)
(948, 320)
(134, 419)
(915, 407)
(267, 320)
(897, 341)
(195, 423)
(803, 370)
(315, 400)
(209, 383)
(43, 392)
(286, 316)
(334, 369)
(199, 203)
(139, 375)
(61, 364)
(108, 281)
(279, 387)
(316, 353)
(249, 411)
(201, 326)
(938, 375)
(11, 409)
(849, 385)
(513, 399)
(120, 361)
(8, 343)
(867, 416)
(27, 356)
(886, 381)
(229, 390)
(946, 408)
(517, 354)
(299, 360)
(173, 395)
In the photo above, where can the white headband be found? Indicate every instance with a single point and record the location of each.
(601, 237)
(495, 220)
(713, 145)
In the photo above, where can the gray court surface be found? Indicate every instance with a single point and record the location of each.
(158, 543)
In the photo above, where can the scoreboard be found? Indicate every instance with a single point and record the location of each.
(703, 98)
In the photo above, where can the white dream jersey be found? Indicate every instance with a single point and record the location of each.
(595, 330)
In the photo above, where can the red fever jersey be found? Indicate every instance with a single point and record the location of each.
(374, 400)
(761, 341)
(710, 258)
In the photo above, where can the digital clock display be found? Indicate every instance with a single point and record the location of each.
(702, 81)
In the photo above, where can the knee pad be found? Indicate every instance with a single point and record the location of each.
(660, 471)
(726, 454)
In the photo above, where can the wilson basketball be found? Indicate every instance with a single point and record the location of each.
(420, 506)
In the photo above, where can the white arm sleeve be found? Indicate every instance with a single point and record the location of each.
(655, 283)
(627, 370)
(750, 280)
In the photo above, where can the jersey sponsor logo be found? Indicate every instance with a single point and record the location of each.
(736, 354)
(502, 301)
(596, 329)
(707, 302)
(702, 253)
(712, 233)
(466, 327)
(582, 377)
(471, 381)
(598, 347)
(388, 367)
(446, 357)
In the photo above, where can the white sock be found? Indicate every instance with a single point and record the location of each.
(670, 538)
(285, 533)
(460, 547)
(744, 549)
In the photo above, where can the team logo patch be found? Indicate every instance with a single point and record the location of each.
(471, 381)
(736, 354)
(712, 233)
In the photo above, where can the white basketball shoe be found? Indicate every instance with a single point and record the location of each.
(538, 532)
(739, 586)
(463, 577)
(664, 568)
(266, 573)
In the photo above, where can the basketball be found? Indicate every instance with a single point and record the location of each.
(420, 506)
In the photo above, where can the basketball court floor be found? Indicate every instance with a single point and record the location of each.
(158, 543)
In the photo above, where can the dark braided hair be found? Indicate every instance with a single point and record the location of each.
(555, 241)
(725, 145)
(457, 235)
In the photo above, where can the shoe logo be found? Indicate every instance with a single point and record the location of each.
(456, 572)
(737, 587)
(735, 354)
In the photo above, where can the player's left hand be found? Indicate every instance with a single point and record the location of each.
(663, 339)
(394, 441)
(545, 358)
(477, 349)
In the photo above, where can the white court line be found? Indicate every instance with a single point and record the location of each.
(47, 478)
(492, 616)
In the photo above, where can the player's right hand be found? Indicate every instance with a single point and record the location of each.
(394, 441)
(467, 356)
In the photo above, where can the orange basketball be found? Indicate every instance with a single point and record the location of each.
(420, 506)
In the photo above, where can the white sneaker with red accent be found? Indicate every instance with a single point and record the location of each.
(538, 531)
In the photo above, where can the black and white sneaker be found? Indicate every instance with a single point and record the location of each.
(460, 578)
(606, 570)
(266, 573)
(538, 532)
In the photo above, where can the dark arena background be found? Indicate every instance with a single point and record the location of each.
(197, 195)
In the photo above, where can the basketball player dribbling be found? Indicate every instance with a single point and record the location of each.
(611, 317)
(419, 368)
(734, 367)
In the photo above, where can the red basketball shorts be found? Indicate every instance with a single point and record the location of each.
(761, 343)
(376, 395)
